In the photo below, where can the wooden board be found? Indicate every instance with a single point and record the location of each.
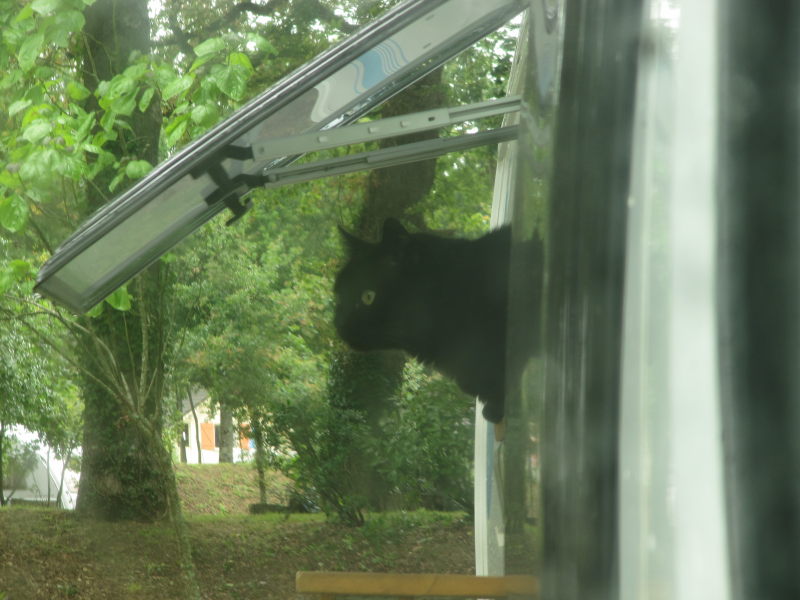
(409, 585)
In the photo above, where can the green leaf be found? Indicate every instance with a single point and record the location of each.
(120, 86)
(238, 58)
(182, 108)
(199, 62)
(175, 130)
(13, 213)
(205, 114)
(124, 105)
(71, 19)
(137, 70)
(24, 14)
(95, 311)
(147, 96)
(108, 120)
(120, 299)
(7, 178)
(163, 75)
(116, 181)
(101, 137)
(20, 268)
(232, 80)
(210, 46)
(138, 168)
(47, 76)
(33, 169)
(6, 280)
(63, 24)
(29, 51)
(18, 106)
(36, 112)
(37, 130)
(177, 86)
(261, 43)
(85, 126)
(45, 7)
(77, 91)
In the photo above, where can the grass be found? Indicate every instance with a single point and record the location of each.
(49, 554)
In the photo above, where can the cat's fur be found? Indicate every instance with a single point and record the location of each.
(444, 301)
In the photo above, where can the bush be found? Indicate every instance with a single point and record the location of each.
(420, 456)
(426, 451)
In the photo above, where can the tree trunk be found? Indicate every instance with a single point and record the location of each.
(257, 429)
(2, 474)
(391, 192)
(184, 434)
(368, 381)
(198, 441)
(120, 474)
(225, 434)
(61, 478)
(127, 470)
(120, 477)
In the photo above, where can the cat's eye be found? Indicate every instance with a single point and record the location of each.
(368, 297)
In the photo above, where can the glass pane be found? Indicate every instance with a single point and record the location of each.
(331, 90)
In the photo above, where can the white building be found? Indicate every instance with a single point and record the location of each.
(201, 429)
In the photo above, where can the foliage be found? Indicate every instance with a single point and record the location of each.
(19, 458)
(323, 458)
(251, 306)
(36, 388)
(252, 323)
(258, 295)
(27, 395)
(46, 139)
(426, 452)
(423, 450)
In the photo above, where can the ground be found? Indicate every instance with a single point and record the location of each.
(50, 554)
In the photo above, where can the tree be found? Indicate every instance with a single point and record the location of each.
(123, 352)
(334, 432)
(27, 395)
(88, 109)
(17, 460)
(82, 139)
(367, 382)
(87, 98)
(248, 296)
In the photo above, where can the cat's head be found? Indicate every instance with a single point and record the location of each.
(371, 289)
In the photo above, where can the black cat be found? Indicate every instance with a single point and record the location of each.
(444, 301)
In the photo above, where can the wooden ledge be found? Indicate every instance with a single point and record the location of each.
(409, 585)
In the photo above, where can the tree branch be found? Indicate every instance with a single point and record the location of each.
(108, 366)
(183, 39)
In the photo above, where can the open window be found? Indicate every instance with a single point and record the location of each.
(655, 170)
(250, 147)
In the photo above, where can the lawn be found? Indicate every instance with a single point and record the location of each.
(50, 554)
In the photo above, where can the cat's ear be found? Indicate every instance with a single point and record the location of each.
(353, 244)
(394, 233)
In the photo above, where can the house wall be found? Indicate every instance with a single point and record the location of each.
(208, 427)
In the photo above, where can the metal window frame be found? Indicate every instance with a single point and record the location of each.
(758, 235)
(209, 152)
